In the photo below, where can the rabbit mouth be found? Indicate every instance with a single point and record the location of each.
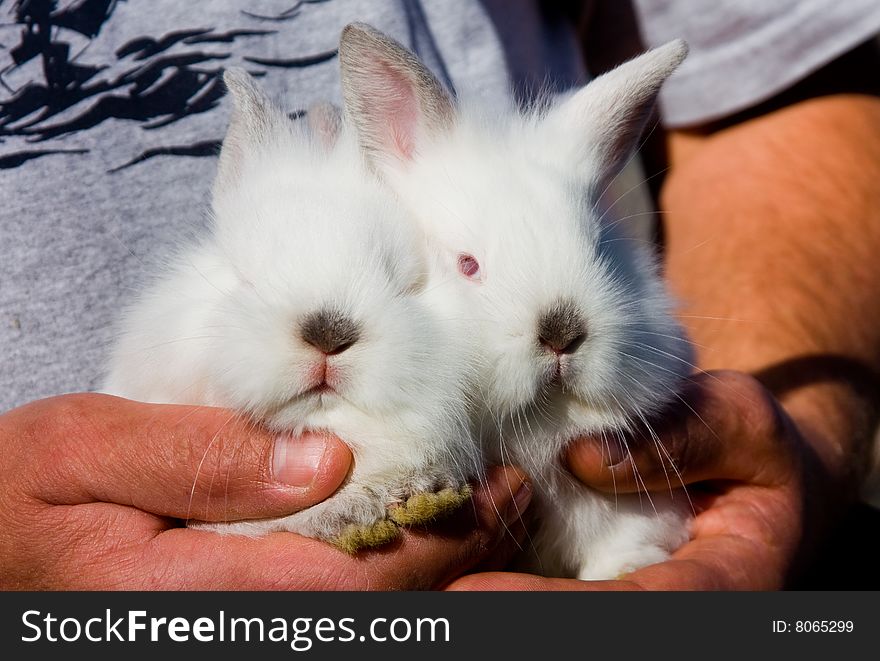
(561, 398)
(557, 376)
(320, 394)
(324, 383)
(318, 397)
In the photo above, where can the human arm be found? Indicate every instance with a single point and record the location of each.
(796, 281)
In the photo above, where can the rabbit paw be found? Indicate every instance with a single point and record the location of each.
(422, 508)
(356, 538)
(362, 516)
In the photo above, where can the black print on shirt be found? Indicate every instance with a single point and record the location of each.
(154, 89)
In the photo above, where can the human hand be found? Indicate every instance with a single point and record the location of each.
(750, 471)
(94, 488)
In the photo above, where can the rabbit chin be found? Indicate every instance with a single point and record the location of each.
(535, 434)
(315, 410)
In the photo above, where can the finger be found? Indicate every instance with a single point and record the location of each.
(727, 427)
(175, 461)
(745, 541)
(710, 564)
(195, 559)
(493, 529)
(742, 542)
(715, 563)
(511, 581)
(515, 541)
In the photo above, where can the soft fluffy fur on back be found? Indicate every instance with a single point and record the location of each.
(305, 242)
(575, 329)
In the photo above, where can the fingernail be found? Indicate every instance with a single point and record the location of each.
(615, 452)
(520, 502)
(296, 459)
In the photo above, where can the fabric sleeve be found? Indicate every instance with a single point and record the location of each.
(743, 52)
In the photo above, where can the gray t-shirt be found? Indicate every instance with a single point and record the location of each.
(111, 115)
(746, 51)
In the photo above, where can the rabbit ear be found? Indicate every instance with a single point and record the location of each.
(255, 120)
(391, 98)
(325, 122)
(600, 125)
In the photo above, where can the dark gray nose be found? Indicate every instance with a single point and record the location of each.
(561, 329)
(330, 331)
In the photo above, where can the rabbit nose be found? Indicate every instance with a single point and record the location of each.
(561, 329)
(330, 331)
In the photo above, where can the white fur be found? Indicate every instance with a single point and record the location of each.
(297, 228)
(518, 191)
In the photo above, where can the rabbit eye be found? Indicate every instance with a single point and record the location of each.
(468, 266)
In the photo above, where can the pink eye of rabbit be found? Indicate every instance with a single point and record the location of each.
(469, 267)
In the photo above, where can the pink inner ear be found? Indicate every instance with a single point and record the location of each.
(397, 111)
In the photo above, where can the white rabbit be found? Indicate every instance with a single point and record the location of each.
(576, 332)
(310, 307)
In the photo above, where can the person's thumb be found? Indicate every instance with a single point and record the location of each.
(728, 426)
(178, 461)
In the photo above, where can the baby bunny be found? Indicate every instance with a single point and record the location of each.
(309, 308)
(575, 331)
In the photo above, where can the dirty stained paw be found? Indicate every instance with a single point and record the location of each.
(355, 538)
(422, 508)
